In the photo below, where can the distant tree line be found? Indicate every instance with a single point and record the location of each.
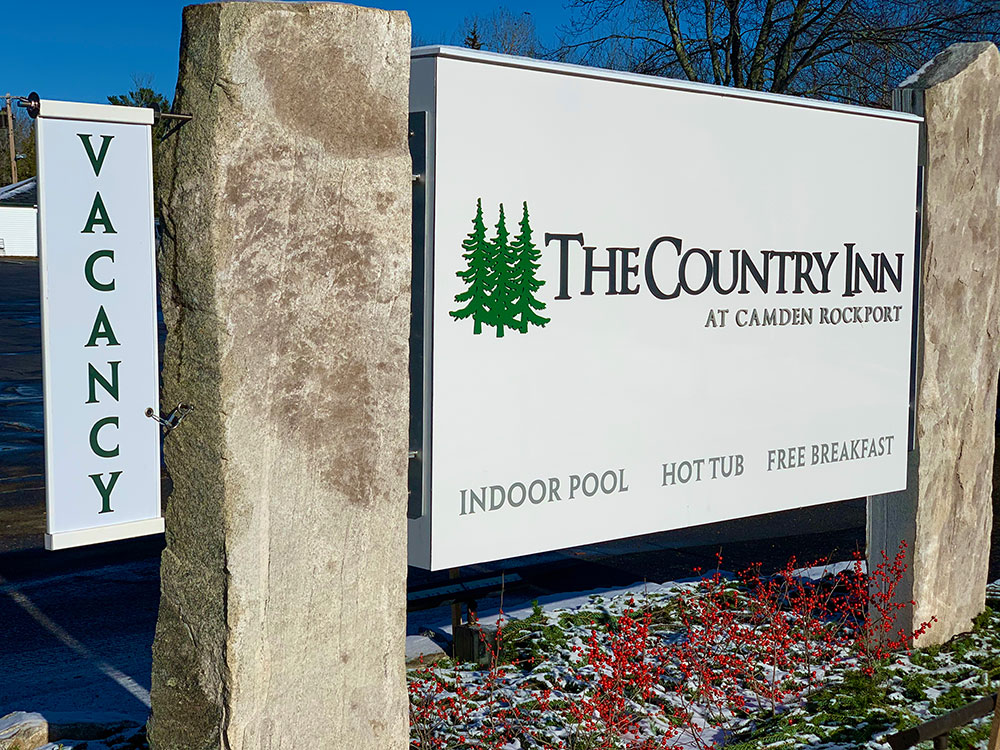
(504, 31)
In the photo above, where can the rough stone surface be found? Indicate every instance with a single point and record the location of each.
(24, 730)
(285, 270)
(946, 513)
(21, 730)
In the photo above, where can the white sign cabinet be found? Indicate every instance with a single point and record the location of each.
(650, 304)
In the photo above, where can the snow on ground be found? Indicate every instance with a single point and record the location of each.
(848, 712)
(428, 630)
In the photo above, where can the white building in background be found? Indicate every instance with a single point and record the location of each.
(19, 219)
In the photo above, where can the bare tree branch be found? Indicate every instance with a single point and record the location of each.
(851, 50)
(670, 10)
(735, 43)
(713, 49)
(756, 78)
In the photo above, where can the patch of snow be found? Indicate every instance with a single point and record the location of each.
(831, 569)
(418, 646)
(518, 607)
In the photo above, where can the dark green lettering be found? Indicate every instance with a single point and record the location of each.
(102, 330)
(94, 377)
(95, 446)
(98, 215)
(88, 270)
(105, 490)
(95, 161)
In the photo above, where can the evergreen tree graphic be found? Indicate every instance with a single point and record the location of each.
(478, 255)
(499, 279)
(524, 281)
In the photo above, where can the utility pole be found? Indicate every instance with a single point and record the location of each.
(10, 142)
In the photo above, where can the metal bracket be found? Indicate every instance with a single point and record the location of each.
(181, 120)
(32, 103)
(171, 420)
(415, 474)
(912, 101)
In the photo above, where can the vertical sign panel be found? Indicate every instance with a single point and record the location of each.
(95, 213)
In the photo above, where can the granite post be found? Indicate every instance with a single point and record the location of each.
(946, 515)
(285, 213)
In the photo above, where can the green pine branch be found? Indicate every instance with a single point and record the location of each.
(476, 274)
(525, 281)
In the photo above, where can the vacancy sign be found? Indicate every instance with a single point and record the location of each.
(99, 339)
(652, 304)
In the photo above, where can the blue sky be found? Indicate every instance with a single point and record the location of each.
(85, 51)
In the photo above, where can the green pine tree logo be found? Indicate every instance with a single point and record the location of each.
(500, 277)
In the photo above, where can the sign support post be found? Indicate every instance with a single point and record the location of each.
(286, 285)
(945, 513)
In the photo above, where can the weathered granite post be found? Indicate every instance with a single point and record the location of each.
(285, 283)
(946, 512)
